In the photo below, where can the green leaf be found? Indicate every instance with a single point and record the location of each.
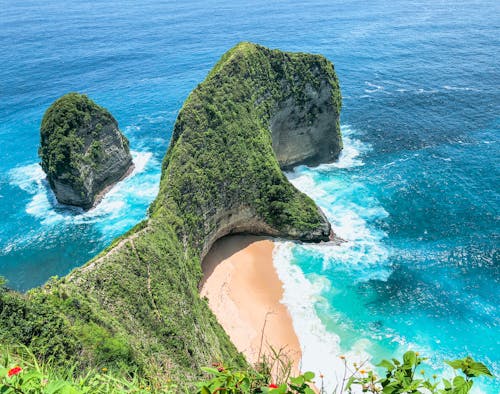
(461, 386)
(413, 385)
(205, 390)
(389, 389)
(410, 358)
(281, 389)
(298, 381)
(245, 383)
(477, 369)
(213, 371)
(386, 364)
(349, 383)
(308, 376)
(455, 364)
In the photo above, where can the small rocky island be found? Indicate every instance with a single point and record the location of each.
(82, 150)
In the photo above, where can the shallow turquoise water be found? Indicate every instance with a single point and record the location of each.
(415, 194)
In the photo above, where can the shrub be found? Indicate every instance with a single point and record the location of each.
(400, 377)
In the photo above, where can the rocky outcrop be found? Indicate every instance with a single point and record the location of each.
(242, 219)
(258, 110)
(82, 150)
(308, 133)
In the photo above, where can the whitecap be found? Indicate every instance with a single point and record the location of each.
(137, 190)
(363, 246)
(27, 178)
(351, 209)
(429, 91)
(376, 88)
(320, 348)
(351, 154)
(457, 88)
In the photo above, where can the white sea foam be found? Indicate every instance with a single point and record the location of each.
(27, 178)
(320, 348)
(44, 206)
(340, 200)
(351, 209)
(456, 88)
(350, 156)
(374, 88)
(428, 91)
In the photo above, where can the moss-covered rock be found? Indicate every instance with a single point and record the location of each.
(136, 306)
(82, 150)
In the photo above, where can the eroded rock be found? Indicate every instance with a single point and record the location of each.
(82, 150)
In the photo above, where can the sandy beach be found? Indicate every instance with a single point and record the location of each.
(244, 292)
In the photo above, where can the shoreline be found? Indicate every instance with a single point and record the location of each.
(244, 292)
(100, 196)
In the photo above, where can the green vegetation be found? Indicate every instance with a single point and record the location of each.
(62, 147)
(222, 142)
(82, 150)
(135, 309)
(401, 377)
(20, 372)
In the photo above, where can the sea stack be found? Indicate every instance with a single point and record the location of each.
(82, 150)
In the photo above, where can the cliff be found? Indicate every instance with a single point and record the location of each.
(82, 150)
(136, 306)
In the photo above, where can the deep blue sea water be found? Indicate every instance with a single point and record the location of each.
(415, 193)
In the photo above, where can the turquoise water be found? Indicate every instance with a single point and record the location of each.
(415, 194)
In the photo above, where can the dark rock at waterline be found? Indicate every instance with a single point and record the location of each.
(82, 150)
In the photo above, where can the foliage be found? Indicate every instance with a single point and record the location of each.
(135, 309)
(227, 381)
(20, 373)
(61, 141)
(402, 377)
(221, 151)
(71, 132)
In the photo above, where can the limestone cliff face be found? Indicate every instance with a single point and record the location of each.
(308, 133)
(82, 150)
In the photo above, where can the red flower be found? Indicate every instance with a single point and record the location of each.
(273, 386)
(14, 371)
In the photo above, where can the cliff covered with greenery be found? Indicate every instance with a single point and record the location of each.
(82, 151)
(136, 306)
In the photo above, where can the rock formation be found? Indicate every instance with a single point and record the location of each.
(82, 150)
(137, 303)
(254, 101)
(305, 124)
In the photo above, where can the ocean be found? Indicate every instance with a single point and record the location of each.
(414, 194)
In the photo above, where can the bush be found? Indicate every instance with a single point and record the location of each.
(400, 377)
(20, 373)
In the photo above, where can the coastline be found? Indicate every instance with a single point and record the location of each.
(100, 196)
(244, 292)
